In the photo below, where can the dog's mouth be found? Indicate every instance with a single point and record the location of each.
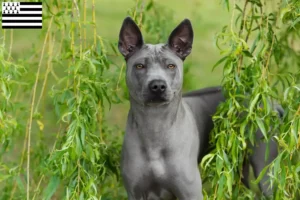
(155, 100)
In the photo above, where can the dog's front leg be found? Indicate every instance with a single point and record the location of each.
(189, 188)
(131, 197)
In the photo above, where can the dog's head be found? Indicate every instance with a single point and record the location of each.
(154, 73)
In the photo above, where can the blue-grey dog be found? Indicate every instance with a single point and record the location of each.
(167, 134)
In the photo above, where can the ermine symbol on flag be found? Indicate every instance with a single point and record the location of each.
(22, 15)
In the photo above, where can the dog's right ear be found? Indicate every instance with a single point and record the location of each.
(130, 38)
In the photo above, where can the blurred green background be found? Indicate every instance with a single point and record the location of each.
(73, 76)
(207, 18)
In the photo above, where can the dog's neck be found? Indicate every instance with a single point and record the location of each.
(151, 119)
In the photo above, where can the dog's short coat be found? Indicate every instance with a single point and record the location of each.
(167, 134)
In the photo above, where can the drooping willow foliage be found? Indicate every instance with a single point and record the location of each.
(77, 162)
(261, 66)
(74, 76)
(70, 75)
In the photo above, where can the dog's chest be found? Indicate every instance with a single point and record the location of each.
(151, 175)
(155, 179)
(154, 158)
(157, 166)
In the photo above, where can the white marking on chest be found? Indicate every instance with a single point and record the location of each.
(157, 167)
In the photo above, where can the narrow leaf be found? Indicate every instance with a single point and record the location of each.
(51, 188)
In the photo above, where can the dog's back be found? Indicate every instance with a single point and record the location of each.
(203, 104)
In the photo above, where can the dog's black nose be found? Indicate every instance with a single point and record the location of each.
(157, 86)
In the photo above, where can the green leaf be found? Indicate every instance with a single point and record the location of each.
(295, 22)
(266, 104)
(150, 5)
(219, 62)
(78, 144)
(92, 66)
(238, 8)
(261, 126)
(229, 183)
(227, 4)
(247, 53)
(82, 135)
(219, 164)
(113, 47)
(81, 197)
(261, 174)
(277, 163)
(20, 183)
(106, 97)
(51, 188)
(228, 68)
(221, 187)
(226, 160)
(206, 159)
(267, 152)
(253, 103)
(283, 176)
(257, 2)
(242, 127)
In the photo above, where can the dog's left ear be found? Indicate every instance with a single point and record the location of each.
(181, 39)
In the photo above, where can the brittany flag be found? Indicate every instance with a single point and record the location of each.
(22, 15)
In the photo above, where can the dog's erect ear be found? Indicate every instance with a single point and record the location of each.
(181, 39)
(130, 38)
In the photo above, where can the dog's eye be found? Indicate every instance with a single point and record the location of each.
(139, 66)
(171, 66)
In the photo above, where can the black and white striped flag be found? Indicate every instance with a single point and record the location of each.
(21, 15)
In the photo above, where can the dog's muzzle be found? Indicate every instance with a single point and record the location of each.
(157, 87)
(157, 91)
